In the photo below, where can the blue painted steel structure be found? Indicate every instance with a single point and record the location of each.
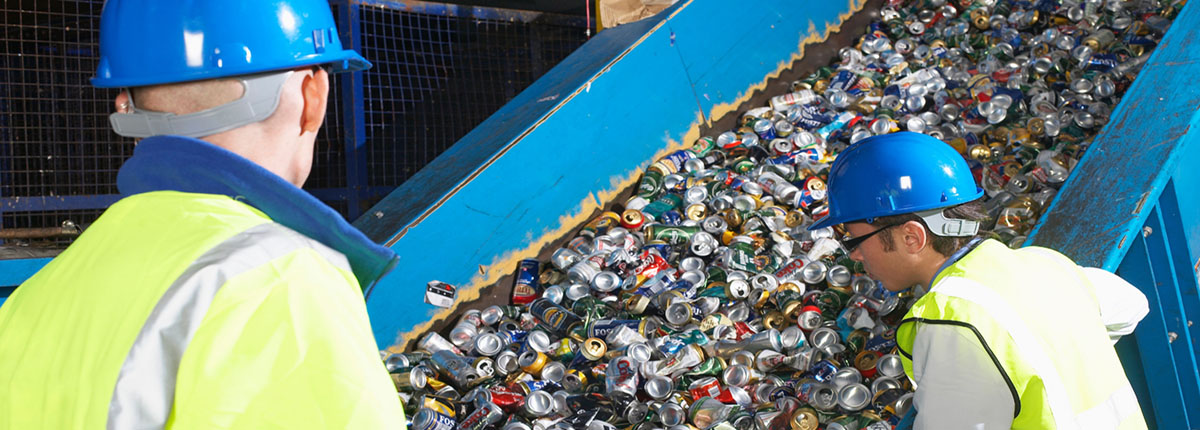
(17, 271)
(571, 142)
(1130, 206)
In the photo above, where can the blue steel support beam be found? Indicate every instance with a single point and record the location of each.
(568, 144)
(1166, 400)
(351, 91)
(1176, 253)
(1174, 305)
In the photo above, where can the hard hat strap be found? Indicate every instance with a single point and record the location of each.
(259, 100)
(942, 226)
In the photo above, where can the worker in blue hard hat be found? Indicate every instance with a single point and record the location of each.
(216, 293)
(1000, 338)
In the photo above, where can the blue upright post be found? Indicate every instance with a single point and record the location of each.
(350, 88)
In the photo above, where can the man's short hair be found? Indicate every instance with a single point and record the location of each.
(187, 97)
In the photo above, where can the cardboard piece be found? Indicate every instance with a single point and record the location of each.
(616, 12)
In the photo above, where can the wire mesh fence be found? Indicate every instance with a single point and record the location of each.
(438, 73)
(439, 70)
(54, 135)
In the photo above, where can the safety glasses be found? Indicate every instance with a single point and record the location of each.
(852, 243)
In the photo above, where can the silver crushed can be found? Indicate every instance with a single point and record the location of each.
(489, 344)
(539, 404)
(483, 416)
(846, 376)
(853, 397)
(890, 366)
(671, 414)
(459, 369)
(554, 371)
(824, 337)
(506, 363)
(821, 397)
(434, 343)
(621, 379)
(659, 387)
(606, 282)
(766, 339)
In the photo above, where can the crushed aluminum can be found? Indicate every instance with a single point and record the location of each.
(846, 376)
(621, 379)
(489, 344)
(539, 404)
(428, 419)
(483, 417)
(890, 366)
(659, 387)
(671, 414)
(821, 397)
(410, 379)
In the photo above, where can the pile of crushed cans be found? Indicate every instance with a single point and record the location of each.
(704, 302)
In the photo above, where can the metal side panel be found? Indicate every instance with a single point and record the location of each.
(1187, 178)
(1165, 339)
(572, 142)
(1165, 403)
(1180, 257)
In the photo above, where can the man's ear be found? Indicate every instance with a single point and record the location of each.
(315, 89)
(914, 236)
(123, 102)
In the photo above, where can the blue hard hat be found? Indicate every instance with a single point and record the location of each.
(148, 42)
(895, 174)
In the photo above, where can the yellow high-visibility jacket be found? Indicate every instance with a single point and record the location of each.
(1039, 318)
(188, 310)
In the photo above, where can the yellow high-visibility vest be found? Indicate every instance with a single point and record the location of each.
(183, 310)
(1037, 315)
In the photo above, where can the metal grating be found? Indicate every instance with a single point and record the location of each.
(54, 135)
(329, 161)
(438, 75)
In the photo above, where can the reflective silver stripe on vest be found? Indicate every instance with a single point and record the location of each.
(145, 389)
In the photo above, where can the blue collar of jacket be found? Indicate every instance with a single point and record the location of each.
(175, 163)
